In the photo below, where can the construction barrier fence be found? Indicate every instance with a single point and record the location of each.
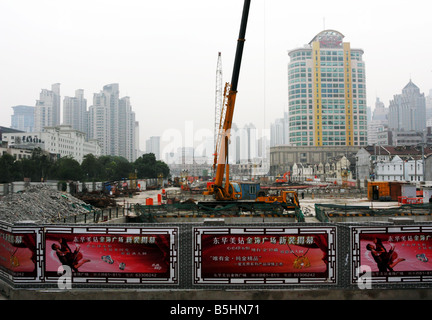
(150, 213)
(214, 255)
(327, 212)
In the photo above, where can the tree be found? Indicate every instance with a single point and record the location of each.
(162, 168)
(104, 168)
(91, 168)
(115, 167)
(124, 168)
(7, 166)
(67, 168)
(28, 169)
(148, 167)
(42, 165)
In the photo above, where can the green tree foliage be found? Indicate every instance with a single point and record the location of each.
(40, 167)
(115, 168)
(7, 168)
(148, 167)
(67, 168)
(91, 167)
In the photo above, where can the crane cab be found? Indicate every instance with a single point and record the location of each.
(236, 191)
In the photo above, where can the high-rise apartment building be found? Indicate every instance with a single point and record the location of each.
(126, 130)
(74, 111)
(279, 131)
(153, 146)
(112, 121)
(429, 107)
(380, 112)
(23, 118)
(327, 93)
(378, 123)
(138, 151)
(47, 109)
(98, 125)
(248, 143)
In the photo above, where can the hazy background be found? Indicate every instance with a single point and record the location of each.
(163, 53)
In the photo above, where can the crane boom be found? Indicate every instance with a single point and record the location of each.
(240, 44)
(221, 154)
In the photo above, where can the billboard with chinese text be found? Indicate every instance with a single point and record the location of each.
(392, 253)
(112, 255)
(18, 254)
(265, 255)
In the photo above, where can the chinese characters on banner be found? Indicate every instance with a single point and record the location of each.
(18, 253)
(133, 255)
(393, 253)
(247, 255)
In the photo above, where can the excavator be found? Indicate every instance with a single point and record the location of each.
(284, 178)
(230, 192)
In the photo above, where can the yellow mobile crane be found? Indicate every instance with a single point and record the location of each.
(228, 191)
(233, 192)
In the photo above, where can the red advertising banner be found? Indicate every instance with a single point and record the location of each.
(120, 255)
(265, 256)
(18, 254)
(392, 253)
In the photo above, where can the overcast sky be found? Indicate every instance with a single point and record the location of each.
(163, 53)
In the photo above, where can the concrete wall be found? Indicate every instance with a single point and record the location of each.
(217, 295)
(185, 289)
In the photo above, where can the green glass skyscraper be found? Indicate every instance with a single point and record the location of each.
(327, 93)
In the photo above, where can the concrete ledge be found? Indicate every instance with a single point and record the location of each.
(220, 295)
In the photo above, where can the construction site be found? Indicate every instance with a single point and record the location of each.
(45, 204)
(33, 219)
(222, 239)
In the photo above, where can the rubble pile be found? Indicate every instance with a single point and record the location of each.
(41, 204)
(97, 199)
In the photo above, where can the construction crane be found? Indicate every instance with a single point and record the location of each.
(218, 105)
(227, 191)
(233, 192)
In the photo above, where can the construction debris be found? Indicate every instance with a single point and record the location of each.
(42, 204)
(97, 199)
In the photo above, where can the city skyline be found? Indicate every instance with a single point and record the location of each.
(170, 83)
(110, 118)
(201, 141)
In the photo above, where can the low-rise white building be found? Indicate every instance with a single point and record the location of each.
(399, 170)
(385, 163)
(335, 168)
(61, 140)
(17, 153)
